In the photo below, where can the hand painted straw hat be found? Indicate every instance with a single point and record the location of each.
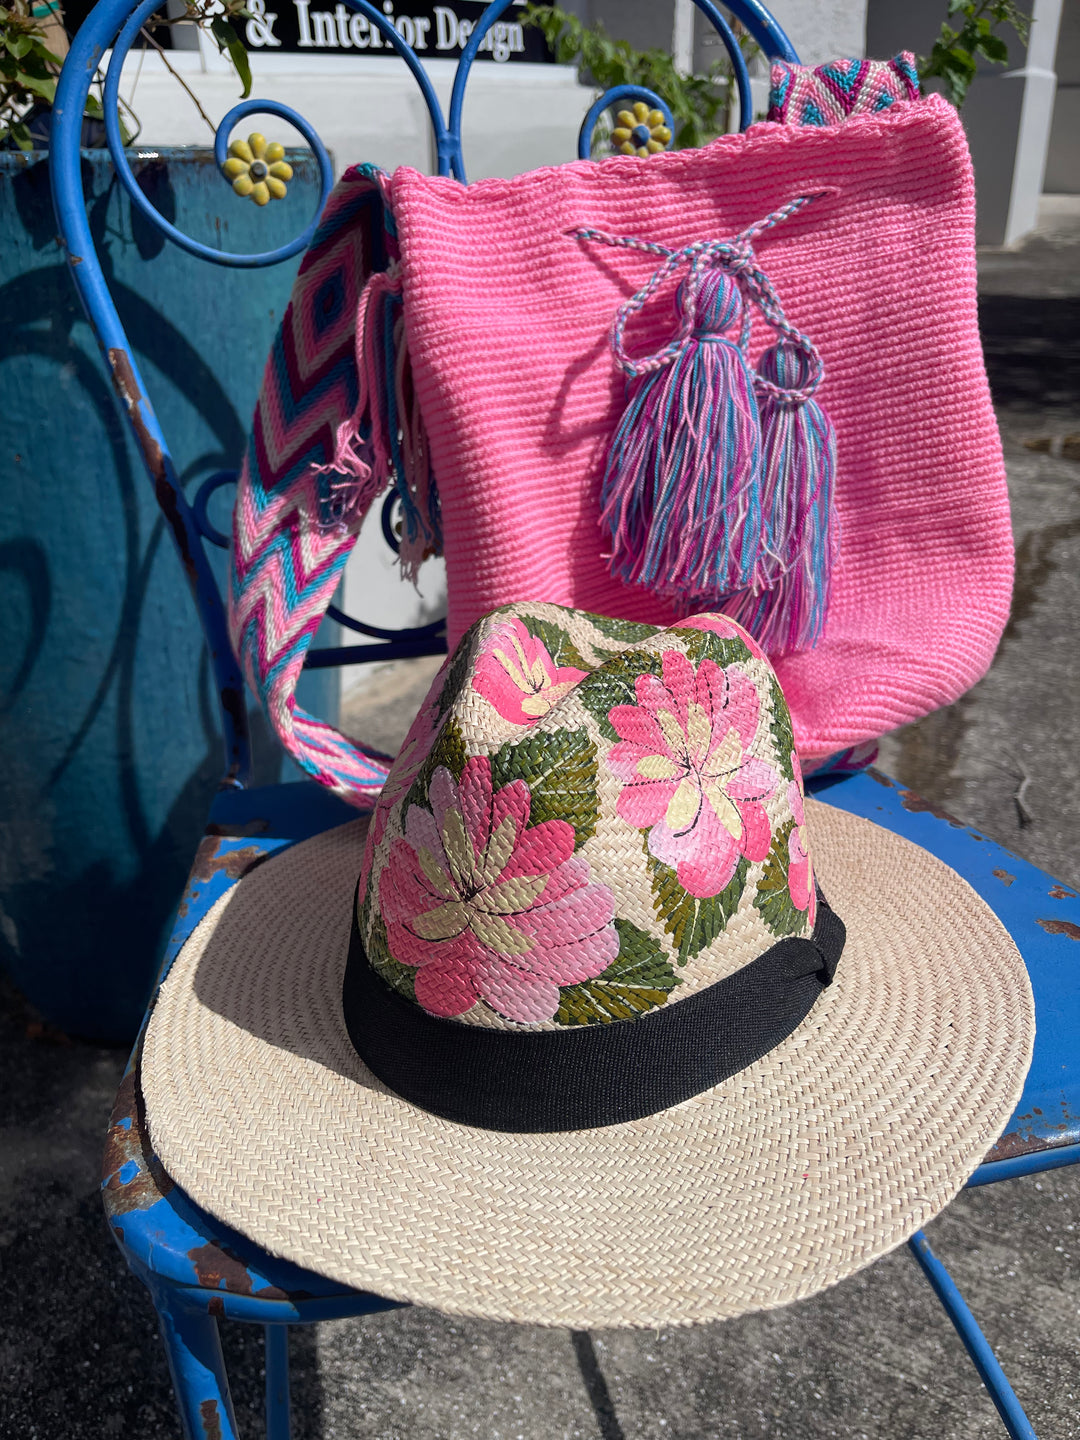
(586, 1044)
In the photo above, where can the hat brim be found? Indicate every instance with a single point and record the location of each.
(787, 1177)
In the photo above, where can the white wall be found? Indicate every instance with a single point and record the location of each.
(823, 30)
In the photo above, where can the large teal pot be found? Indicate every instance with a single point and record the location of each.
(109, 749)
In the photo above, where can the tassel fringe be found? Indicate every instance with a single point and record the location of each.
(718, 487)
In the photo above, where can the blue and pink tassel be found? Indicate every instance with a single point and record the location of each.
(718, 487)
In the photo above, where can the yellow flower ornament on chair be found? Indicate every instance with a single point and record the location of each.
(257, 169)
(640, 131)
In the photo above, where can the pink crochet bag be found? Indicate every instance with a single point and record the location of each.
(500, 307)
(508, 318)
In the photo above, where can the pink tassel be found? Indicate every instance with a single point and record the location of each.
(785, 607)
(680, 498)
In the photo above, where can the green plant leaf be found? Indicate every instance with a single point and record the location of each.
(556, 641)
(19, 44)
(693, 924)
(229, 43)
(401, 978)
(613, 684)
(637, 980)
(629, 631)
(773, 898)
(560, 769)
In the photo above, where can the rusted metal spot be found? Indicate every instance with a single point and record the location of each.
(132, 1175)
(1060, 893)
(217, 1268)
(918, 806)
(1013, 1144)
(1005, 878)
(1061, 927)
(880, 778)
(240, 831)
(127, 387)
(216, 1307)
(209, 861)
(210, 1419)
(74, 259)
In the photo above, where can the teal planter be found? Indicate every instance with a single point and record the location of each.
(109, 750)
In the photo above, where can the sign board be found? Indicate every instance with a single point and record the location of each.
(311, 27)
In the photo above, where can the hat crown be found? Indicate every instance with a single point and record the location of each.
(590, 819)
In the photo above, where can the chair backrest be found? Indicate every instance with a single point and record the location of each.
(112, 28)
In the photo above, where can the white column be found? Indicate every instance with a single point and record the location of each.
(1036, 118)
(682, 36)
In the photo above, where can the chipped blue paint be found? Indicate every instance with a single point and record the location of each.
(1049, 1110)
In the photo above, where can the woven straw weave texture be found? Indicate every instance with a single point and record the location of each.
(786, 1178)
(508, 319)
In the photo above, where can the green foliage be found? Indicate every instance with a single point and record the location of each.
(638, 979)
(616, 684)
(401, 978)
(449, 751)
(628, 631)
(698, 103)
(780, 725)
(773, 899)
(723, 650)
(692, 924)
(561, 773)
(556, 641)
(954, 58)
(29, 69)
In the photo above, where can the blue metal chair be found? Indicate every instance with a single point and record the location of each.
(196, 1270)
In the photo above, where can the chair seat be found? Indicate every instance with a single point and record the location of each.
(1042, 916)
(167, 1239)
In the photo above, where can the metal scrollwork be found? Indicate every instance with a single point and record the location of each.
(114, 24)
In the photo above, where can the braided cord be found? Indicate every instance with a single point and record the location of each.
(738, 259)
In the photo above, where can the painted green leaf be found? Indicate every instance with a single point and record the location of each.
(613, 684)
(638, 979)
(449, 750)
(560, 770)
(705, 645)
(556, 641)
(773, 898)
(693, 924)
(459, 670)
(401, 978)
(780, 725)
(628, 631)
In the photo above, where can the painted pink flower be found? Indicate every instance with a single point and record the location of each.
(724, 626)
(488, 908)
(518, 676)
(800, 869)
(684, 755)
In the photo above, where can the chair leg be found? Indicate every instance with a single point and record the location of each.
(197, 1366)
(278, 1426)
(975, 1342)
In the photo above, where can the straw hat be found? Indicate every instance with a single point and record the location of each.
(586, 1044)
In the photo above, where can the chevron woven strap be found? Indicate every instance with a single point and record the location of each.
(828, 94)
(306, 481)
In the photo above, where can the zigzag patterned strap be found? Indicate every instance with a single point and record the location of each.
(306, 482)
(829, 94)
